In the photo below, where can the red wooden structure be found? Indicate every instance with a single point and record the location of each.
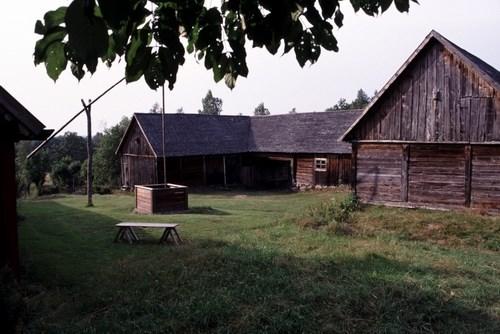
(16, 123)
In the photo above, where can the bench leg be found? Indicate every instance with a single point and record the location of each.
(119, 235)
(134, 235)
(177, 235)
(164, 236)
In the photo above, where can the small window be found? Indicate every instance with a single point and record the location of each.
(320, 164)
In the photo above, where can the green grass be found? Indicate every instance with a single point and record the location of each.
(247, 266)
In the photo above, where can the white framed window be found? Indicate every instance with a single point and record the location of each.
(320, 164)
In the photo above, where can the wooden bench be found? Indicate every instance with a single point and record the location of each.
(126, 231)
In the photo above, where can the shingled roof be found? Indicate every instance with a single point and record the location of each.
(301, 133)
(194, 134)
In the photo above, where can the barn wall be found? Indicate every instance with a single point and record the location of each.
(304, 170)
(138, 162)
(437, 175)
(339, 169)
(378, 172)
(438, 98)
(485, 178)
(425, 175)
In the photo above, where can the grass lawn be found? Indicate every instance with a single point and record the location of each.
(247, 266)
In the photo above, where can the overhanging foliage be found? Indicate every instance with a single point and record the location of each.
(153, 36)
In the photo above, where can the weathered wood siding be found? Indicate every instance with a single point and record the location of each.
(378, 172)
(430, 175)
(155, 199)
(485, 178)
(437, 98)
(437, 175)
(138, 162)
(304, 170)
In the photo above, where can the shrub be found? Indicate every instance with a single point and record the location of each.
(102, 190)
(334, 215)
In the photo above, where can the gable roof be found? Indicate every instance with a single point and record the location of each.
(194, 134)
(486, 71)
(19, 120)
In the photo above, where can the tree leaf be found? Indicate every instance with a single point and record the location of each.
(40, 28)
(339, 18)
(154, 73)
(328, 8)
(41, 45)
(402, 5)
(77, 71)
(56, 60)
(87, 34)
(230, 80)
(54, 18)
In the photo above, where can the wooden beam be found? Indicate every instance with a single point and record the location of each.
(9, 252)
(89, 152)
(204, 171)
(468, 174)
(354, 165)
(404, 173)
(224, 165)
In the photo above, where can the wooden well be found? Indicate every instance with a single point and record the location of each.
(160, 198)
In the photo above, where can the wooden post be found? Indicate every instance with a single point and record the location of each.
(9, 252)
(163, 135)
(89, 153)
(468, 174)
(204, 171)
(404, 172)
(354, 166)
(224, 165)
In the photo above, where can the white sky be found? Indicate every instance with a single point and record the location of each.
(371, 50)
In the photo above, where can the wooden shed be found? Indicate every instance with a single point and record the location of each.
(16, 123)
(261, 151)
(431, 137)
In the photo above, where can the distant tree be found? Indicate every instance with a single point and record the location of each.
(32, 171)
(155, 108)
(362, 99)
(180, 110)
(261, 110)
(210, 105)
(293, 111)
(66, 173)
(106, 162)
(69, 144)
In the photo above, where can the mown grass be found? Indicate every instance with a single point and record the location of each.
(246, 266)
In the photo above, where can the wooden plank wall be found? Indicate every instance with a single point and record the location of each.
(339, 169)
(141, 170)
(138, 162)
(485, 179)
(437, 99)
(437, 175)
(305, 170)
(378, 172)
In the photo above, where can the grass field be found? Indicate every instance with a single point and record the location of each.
(247, 266)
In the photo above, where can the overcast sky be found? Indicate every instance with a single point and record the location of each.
(371, 50)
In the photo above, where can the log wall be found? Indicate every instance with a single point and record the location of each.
(378, 172)
(424, 175)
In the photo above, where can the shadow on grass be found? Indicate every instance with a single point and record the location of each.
(214, 286)
(204, 210)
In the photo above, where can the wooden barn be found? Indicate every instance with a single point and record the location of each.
(431, 137)
(262, 151)
(16, 123)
